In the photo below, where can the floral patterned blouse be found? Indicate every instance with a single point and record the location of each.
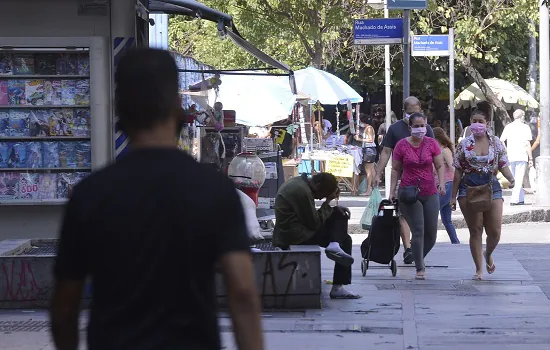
(467, 160)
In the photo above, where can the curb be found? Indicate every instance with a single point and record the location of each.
(535, 215)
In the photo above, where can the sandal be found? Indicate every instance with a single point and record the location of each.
(490, 268)
(420, 276)
(476, 277)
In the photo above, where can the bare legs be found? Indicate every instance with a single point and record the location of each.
(405, 233)
(492, 221)
(369, 172)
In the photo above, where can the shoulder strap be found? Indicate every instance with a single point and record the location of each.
(495, 155)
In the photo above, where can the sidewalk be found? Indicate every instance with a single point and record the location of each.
(509, 310)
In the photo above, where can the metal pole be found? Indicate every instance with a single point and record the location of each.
(387, 70)
(406, 55)
(452, 127)
(543, 162)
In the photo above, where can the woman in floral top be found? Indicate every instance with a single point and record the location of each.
(474, 164)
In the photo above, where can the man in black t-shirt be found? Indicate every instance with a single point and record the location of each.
(149, 232)
(396, 132)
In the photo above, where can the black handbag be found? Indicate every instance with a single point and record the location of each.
(409, 194)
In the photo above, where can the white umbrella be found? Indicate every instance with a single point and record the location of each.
(325, 87)
(258, 100)
(512, 95)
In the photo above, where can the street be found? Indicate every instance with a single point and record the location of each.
(447, 311)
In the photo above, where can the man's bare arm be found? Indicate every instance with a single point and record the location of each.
(243, 299)
(382, 162)
(64, 312)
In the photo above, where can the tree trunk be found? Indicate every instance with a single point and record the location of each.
(532, 65)
(498, 106)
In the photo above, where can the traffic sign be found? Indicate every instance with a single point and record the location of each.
(407, 4)
(430, 45)
(378, 31)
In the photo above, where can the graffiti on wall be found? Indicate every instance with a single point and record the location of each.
(17, 281)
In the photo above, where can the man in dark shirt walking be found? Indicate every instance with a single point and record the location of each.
(149, 234)
(396, 132)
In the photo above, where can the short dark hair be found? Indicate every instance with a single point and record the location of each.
(146, 88)
(325, 182)
(415, 116)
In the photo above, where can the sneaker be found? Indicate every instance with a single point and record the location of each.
(408, 256)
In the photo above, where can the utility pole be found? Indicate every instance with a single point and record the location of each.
(387, 70)
(543, 162)
(452, 122)
(406, 54)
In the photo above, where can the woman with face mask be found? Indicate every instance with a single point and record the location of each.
(413, 160)
(478, 159)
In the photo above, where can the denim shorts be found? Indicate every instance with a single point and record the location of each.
(476, 179)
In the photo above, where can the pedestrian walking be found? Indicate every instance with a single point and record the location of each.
(447, 151)
(396, 132)
(518, 136)
(366, 137)
(478, 159)
(413, 160)
(147, 233)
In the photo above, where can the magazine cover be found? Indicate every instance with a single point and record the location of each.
(81, 125)
(17, 155)
(29, 185)
(39, 122)
(68, 88)
(9, 185)
(3, 92)
(82, 93)
(66, 64)
(52, 92)
(67, 154)
(34, 92)
(34, 155)
(65, 184)
(23, 64)
(83, 64)
(47, 186)
(61, 122)
(4, 123)
(45, 63)
(6, 67)
(19, 123)
(16, 92)
(79, 176)
(50, 154)
(83, 154)
(4, 154)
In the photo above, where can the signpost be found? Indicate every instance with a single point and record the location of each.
(378, 31)
(441, 46)
(406, 4)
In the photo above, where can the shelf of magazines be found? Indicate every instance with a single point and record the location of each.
(45, 133)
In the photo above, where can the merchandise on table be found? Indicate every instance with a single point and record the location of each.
(39, 122)
(19, 123)
(61, 122)
(83, 154)
(82, 93)
(50, 154)
(6, 66)
(4, 93)
(68, 91)
(45, 63)
(34, 155)
(47, 187)
(34, 92)
(23, 64)
(81, 124)
(9, 185)
(4, 123)
(29, 186)
(67, 154)
(16, 92)
(52, 92)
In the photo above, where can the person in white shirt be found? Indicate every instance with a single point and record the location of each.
(517, 136)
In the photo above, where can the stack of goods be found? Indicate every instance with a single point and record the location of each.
(38, 186)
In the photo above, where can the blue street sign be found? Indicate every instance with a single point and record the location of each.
(430, 45)
(378, 31)
(407, 4)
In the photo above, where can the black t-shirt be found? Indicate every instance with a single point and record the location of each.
(149, 230)
(400, 130)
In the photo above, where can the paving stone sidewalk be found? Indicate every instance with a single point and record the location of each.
(448, 311)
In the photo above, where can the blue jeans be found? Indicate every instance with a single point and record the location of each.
(445, 211)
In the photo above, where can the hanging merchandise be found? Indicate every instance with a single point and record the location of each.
(357, 108)
(218, 116)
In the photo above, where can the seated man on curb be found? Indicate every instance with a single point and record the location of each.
(298, 222)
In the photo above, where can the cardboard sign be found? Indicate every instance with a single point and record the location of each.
(340, 165)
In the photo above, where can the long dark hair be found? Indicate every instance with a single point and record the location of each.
(443, 139)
